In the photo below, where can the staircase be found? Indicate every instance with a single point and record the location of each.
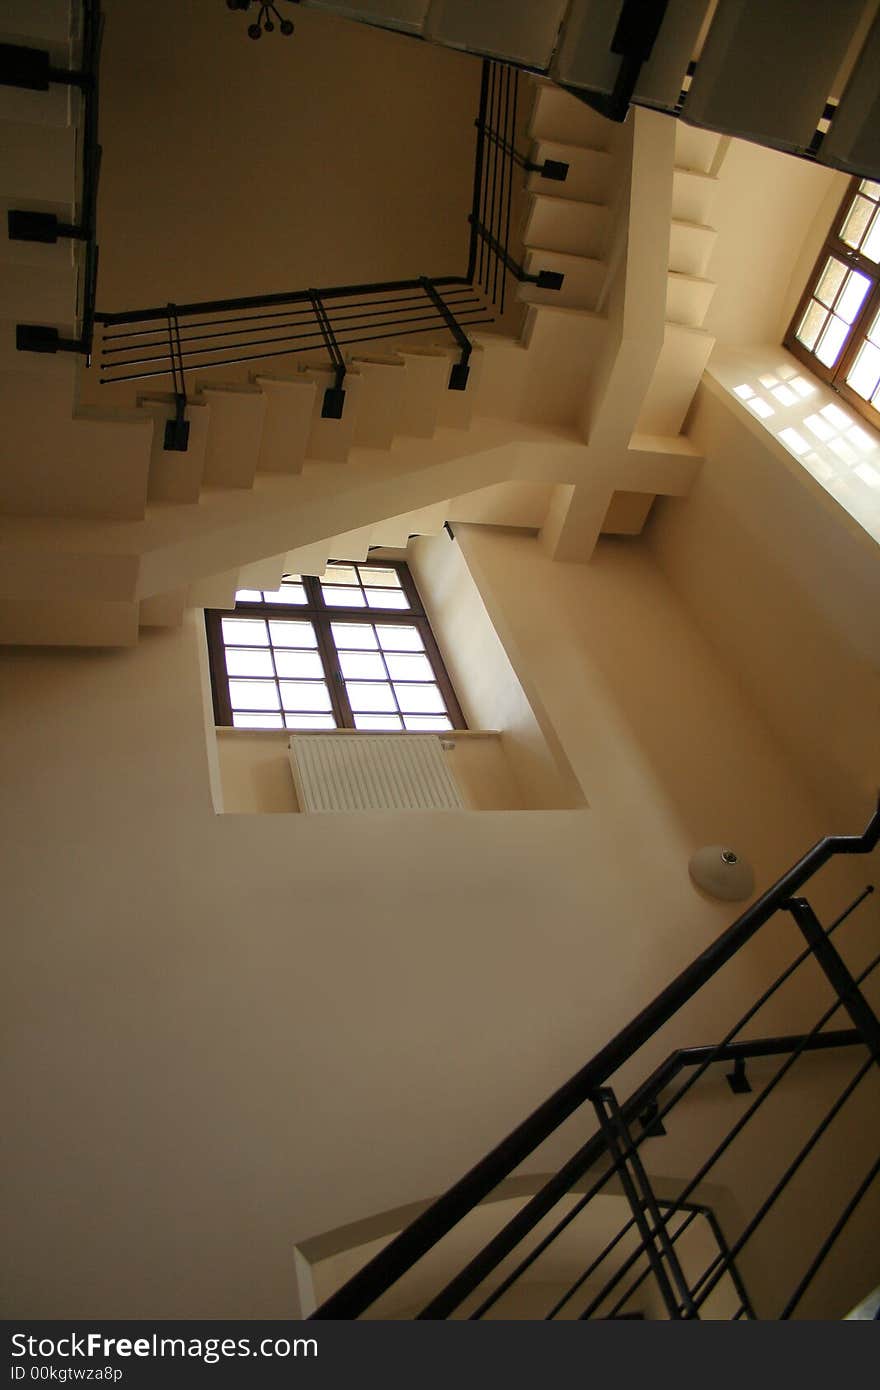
(105, 529)
(778, 1153)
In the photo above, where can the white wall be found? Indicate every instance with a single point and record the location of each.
(784, 585)
(229, 1033)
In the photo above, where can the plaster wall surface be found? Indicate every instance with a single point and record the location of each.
(227, 1034)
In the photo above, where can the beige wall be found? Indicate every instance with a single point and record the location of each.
(229, 1033)
(219, 150)
(784, 585)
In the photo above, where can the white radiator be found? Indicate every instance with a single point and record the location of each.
(372, 772)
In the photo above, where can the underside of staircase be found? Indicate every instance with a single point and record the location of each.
(570, 429)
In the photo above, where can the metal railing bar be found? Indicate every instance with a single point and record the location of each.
(436, 321)
(767, 1091)
(590, 1269)
(829, 1242)
(621, 1273)
(773, 1196)
(519, 1226)
(478, 168)
(510, 184)
(548, 1239)
(503, 165)
(494, 108)
(258, 301)
(402, 1252)
(283, 352)
(403, 302)
(719, 1052)
(639, 1198)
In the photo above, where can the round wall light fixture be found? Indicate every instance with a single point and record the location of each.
(722, 873)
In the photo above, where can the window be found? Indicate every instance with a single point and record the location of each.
(836, 329)
(349, 650)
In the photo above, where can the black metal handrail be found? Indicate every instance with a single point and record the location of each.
(490, 259)
(181, 338)
(32, 69)
(408, 1247)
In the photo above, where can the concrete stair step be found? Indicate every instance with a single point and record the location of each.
(94, 465)
(688, 298)
(176, 477)
(234, 433)
(163, 610)
(38, 162)
(330, 440)
(559, 117)
(38, 294)
(383, 386)
(286, 424)
(693, 193)
(690, 246)
(590, 176)
(262, 574)
(517, 31)
(581, 287)
(427, 375)
(51, 257)
(53, 108)
(456, 408)
(68, 623)
(563, 224)
(36, 23)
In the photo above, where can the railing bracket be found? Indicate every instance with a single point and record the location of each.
(23, 225)
(737, 1079)
(37, 337)
(653, 1127)
(333, 404)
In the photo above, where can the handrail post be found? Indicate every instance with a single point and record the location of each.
(177, 428)
(334, 397)
(458, 377)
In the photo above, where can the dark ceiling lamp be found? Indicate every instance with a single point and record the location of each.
(264, 19)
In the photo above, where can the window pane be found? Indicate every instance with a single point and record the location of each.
(871, 244)
(811, 324)
(370, 697)
(871, 189)
(303, 695)
(299, 664)
(377, 721)
(831, 281)
(253, 695)
(248, 596)
(342, 598)
(409, 668)
(365, 666)
(288, 634)
(832, 341)
(353, 635)
(249, 661)
(420, 699)
(399, 638)
(387, 598)
(257, 721)
(857, 220)
(340, 574)
(865, 371)
(310, 721)
(850, 302)
(424, 723)
(288, 593)
(244, 632)
(378, 577)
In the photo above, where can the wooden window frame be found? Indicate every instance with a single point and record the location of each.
(321, 615)
(835, 376)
